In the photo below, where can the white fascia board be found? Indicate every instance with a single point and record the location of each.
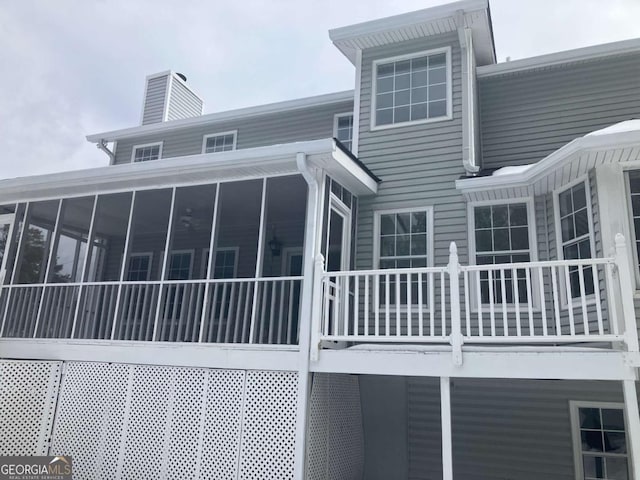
(559, 58)
(550, 162)
(238, 114)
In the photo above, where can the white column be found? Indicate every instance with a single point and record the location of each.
(445, 415)
(633, 425)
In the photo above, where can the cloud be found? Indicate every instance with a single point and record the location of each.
(78, 67)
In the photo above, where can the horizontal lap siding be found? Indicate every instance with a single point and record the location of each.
(183, 103)
(154, 101)
(502, 429)
(526, 116)
(418, 164)
(294, 126)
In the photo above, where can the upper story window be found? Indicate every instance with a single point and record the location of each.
(412, 89)
(219, 142)
(502, 235)
(634, 191)
(573, 221)
(403, 238)
(149, 151)
(343, 128)
(599, 440)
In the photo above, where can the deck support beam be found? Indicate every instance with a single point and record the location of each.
(445, 415)
(633, 425)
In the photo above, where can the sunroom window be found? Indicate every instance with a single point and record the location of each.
(411, 89)
(501, 234)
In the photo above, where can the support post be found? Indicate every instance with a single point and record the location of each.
(317, 313)
(445, 415)
(623, 262)
(454, 294)
(633, 425)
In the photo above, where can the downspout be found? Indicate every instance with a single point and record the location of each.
(469, 109)
(102, 145)
(304, 389)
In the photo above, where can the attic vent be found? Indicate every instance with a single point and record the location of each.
(168, 97)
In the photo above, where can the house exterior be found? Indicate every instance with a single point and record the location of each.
(433, 275)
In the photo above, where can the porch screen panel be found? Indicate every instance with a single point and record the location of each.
(285, 213)
(9, 235)
(143, 267)
(181, 302)
(104, 264)
(25, 298)
(229, 303)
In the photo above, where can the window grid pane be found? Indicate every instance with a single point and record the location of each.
(144, 154)
(502, 236)
(220, 143)
(603, 443)
(411, 90)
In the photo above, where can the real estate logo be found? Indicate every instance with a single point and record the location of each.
(36, 468)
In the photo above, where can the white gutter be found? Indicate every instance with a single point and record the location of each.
(559, 58)
(231, 115)
(469, 109)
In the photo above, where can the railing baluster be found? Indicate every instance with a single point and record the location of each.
(398, 316)
(492, 313)
(420, 306)
(263, 318)
(527, 272)
(376, 306)
(290, 312)
(516, 300)
(387, 306)
(479, 295)
(356, 305)
(583, 301)
(251, 286)
(505, 318)
(224, 308)
(443, 305)
(572, 326)
(327, 306)
(409, 321)
(432, 305)
(366, 305)
(345, 306)
(232, 306)
(596, 291)
(241, 301)
(556, 300)
(467, 309)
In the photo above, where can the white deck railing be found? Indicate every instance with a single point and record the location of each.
(566, 301)
(241, 310)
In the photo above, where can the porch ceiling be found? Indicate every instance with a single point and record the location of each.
(242, 164)
(618, 143)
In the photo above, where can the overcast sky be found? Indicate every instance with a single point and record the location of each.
(76, 67)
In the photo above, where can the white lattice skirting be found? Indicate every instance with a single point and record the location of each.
(335, 440)
(146, 422)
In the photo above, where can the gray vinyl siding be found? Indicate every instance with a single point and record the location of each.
(154, 101)
(418, 164)
(502, 429)
(294, 126)
(526, 116)
(183, 103)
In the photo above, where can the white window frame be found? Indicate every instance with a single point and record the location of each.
(564, 300)
(149, 255)
(377, 214)
(220, 134)
(632, 230)
(287, 254)
(574, 406)
(533, 247)
(143, 145)
(336, 118)
(191, 252)
(449, 88)
(213, 261)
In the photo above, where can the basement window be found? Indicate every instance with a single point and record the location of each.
(219, 142)
(599, 441)
(149, 151)
(412, 89)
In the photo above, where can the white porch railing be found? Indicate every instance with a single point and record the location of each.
(567, 301)
(241, 310)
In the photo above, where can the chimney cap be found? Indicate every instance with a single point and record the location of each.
(182, 76)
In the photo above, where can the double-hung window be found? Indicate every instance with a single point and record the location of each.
(343, 128)
(634, 192)
(147, 152)
(180, 265)
(575, 234)
(139, 268)
(403, 240)
(219, 142)
(501, 234)
(599, 441)
(412, 88)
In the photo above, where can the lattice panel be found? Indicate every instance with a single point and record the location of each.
(317, 429)
(221, 439)
(335, 449)
(269, 426)
(90, 417)
(28, 393)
